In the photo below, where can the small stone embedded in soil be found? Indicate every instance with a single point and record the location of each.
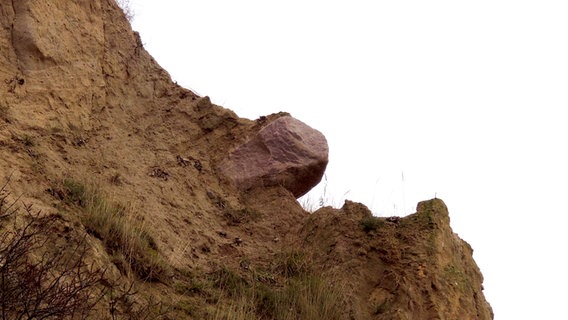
(159, 173)
(286, 152)
(393, 219)
(182, 161)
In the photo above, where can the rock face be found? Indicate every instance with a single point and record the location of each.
(286, 152)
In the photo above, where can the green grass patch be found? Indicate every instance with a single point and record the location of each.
(371, 223)
(28, 141)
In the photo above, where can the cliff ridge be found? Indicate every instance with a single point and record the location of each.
(117, 167)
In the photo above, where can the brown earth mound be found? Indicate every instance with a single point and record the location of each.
(96, 139)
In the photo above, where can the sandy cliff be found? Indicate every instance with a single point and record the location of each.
(92, 126)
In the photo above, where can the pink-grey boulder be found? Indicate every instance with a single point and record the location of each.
(286, 152)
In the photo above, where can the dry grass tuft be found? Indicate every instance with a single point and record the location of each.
(300, 293)
(127, 240)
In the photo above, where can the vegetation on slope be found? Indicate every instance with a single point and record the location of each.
(160, 234)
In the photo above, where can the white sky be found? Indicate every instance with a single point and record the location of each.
(464, 99)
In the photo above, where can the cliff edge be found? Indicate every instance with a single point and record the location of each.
(111, 172)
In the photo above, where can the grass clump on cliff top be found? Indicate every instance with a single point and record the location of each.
(371, 223)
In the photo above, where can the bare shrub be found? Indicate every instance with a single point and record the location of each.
(38, 282)
(124, 304)
(7, 208)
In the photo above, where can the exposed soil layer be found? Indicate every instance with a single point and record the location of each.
(83, 106)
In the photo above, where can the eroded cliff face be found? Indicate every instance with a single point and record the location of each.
(413, 267)
(73, 62)
(83, 104)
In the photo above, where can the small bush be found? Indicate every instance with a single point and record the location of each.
(371, 223)
(38, 282)
(28, 140)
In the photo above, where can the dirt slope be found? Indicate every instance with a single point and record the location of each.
(83, 103)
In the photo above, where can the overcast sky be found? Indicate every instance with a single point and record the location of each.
(463, 100)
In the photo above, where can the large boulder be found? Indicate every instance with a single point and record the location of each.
(286, 152)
